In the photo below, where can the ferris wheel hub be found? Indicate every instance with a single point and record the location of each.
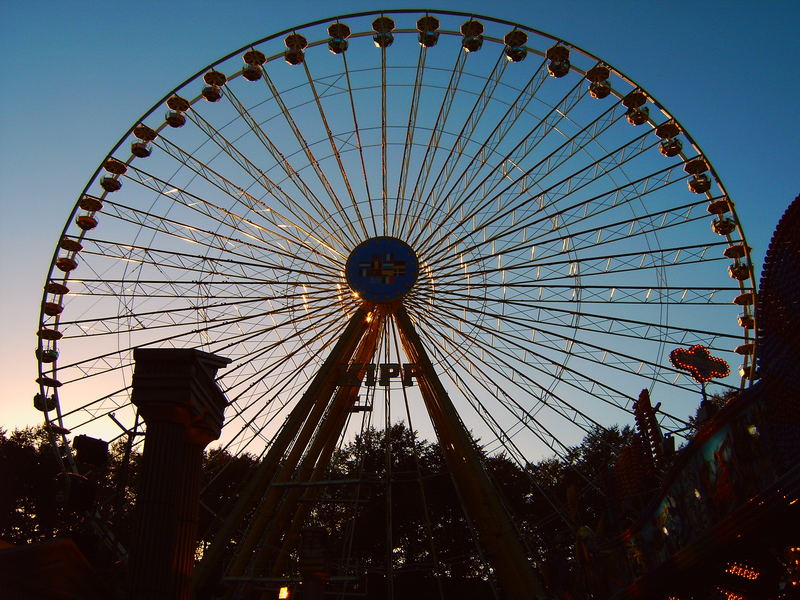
(382, 269)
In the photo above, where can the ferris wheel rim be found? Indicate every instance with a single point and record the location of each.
(199, 74)
(572, 325)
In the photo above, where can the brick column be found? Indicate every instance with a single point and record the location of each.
(175, 392)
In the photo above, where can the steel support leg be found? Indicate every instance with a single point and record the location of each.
(272, 498)
(315, 464)
(210, 568)
(497, 532)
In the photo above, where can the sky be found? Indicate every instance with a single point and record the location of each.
(75, 76)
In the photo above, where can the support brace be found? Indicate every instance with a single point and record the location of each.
(497, 533)
(320, 453)
(210, 568)
(275, 511)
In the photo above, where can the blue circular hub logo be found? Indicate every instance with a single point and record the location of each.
(382, 269)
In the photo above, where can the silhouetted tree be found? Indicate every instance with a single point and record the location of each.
(29, 496)
(223, 476)
(404, 510)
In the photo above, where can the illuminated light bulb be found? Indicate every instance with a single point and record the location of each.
(283, 593)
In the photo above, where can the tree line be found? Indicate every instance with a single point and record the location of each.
(562, 506)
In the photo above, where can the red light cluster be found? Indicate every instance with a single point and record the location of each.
(699, 362)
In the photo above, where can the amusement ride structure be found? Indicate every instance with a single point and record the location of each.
(451, 221)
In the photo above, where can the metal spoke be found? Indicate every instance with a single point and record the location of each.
(436, 196)
(335, 151)
(563, 188)
(432, 146)
(365, 177)
(281, 159)
(239, 195)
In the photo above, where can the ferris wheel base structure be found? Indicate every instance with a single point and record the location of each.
(326, 395)
(183, 409)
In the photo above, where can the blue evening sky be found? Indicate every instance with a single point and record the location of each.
(75, 75)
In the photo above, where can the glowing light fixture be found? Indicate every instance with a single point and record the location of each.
(699, 362)
(742, 571)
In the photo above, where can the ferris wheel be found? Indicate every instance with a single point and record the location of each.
(450, 206)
